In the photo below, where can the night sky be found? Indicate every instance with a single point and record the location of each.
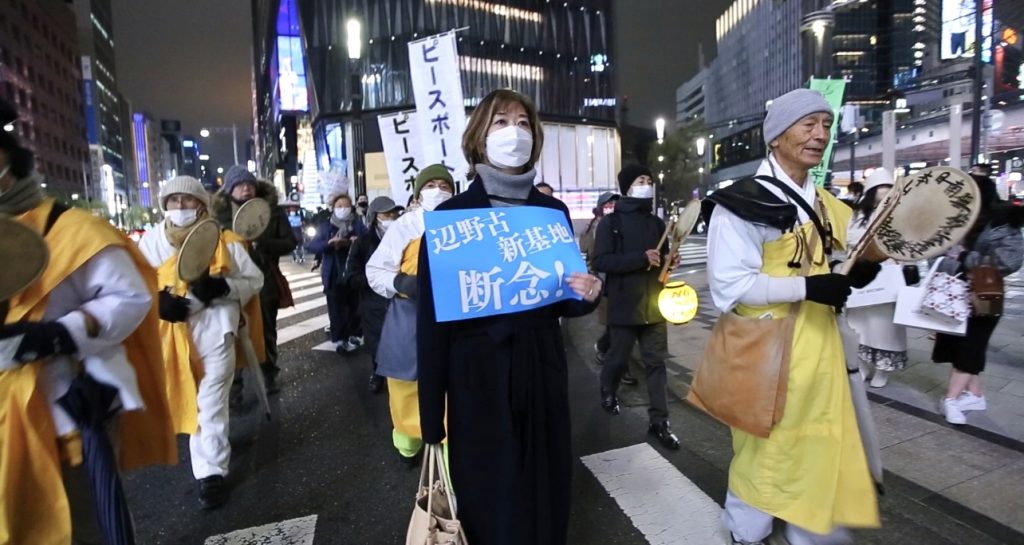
(191, 60)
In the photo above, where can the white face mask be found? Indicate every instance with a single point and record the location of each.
(342, 213)
(430, 198)
(182, 217)
(641, 191)
(509, 147)
(384, 224)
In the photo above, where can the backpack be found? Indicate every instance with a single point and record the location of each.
(986, 288)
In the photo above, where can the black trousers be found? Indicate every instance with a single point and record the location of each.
(653, 341)
(269, 307)
(341, 313)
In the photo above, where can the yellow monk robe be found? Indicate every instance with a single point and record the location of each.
(811, 471)
(403, 395)
(184, 369)
(33, 505)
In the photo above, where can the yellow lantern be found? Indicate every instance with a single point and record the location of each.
(678, 302)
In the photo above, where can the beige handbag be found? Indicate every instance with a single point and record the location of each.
(434, 520)
(743, 375)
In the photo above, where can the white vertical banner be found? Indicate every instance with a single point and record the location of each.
(956, 112)
(889, 140)
(441, 113)
(403, 153)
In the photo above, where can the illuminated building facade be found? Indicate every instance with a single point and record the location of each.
(555, 52)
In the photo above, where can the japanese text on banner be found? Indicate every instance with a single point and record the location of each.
(492, 261)
(403, 154)
(441, 112)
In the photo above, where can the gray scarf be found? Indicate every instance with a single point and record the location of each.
(25, 195)
(506, 189)
(344, 226)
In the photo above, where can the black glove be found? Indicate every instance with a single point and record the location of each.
(40, 340)
(863, 272)
(406, 285)
(828, 289)
(208, 288)
(911, 275)
(173, 308)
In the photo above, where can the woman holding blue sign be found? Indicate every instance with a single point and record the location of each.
(497, 386)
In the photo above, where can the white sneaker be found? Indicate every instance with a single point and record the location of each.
(865, 371)
(970, 402)
(948, 407)
(880, 379)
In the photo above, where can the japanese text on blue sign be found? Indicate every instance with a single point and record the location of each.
(490, 261)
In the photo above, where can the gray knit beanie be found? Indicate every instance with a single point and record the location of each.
(791, 107)
(187, 185)
(235, 175)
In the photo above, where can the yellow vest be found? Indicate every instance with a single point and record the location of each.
(811, 471)
(33, 505)
(184, 368)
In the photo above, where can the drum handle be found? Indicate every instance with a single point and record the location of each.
(873, 227)
(669, 227)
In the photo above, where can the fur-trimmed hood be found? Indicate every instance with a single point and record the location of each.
(220, 203)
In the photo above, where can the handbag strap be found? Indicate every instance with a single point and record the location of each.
(825, 234)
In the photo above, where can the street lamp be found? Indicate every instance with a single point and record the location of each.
(9, 127)
(233, 129)
(701, 144)
(659, 126)
(354, 43)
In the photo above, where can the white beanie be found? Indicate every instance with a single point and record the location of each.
(879, 176)
(186, 185)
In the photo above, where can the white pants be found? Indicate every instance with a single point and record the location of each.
(750, 524)
(209, 447)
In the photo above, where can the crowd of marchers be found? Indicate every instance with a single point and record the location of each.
(112, 349)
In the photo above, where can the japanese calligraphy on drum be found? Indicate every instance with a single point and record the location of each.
(935, 209)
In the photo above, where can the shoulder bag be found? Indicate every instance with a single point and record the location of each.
(434, 519)
(986, 288)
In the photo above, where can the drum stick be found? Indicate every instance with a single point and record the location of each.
(669, 227)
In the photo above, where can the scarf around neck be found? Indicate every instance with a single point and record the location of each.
(24, 195)
(506, 189)
(176, 235)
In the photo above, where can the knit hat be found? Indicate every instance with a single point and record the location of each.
(607, 197)
(380, 205)
(433, 172)
(791, 107)
(186, 185)
(629, 174)
(879, 176)
(235, 175)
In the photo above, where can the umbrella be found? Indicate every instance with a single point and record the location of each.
(861, 405)
(88, 403)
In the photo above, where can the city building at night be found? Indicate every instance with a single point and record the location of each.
(105, 123)
(39, 77)
(147, 148)
(556, 53)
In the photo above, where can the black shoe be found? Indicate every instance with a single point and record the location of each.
(213, 492)
(663, 431)
(627, 378)
(270, 381)
(411, 462)
(609, 402)
(376, 383)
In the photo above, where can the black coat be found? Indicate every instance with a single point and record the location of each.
(372, 307)
(623, 238)
(506, 385)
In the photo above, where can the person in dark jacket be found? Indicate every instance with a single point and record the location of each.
(381, 213)
(331, 245)
(626, 249)
(277, 240)
(502, 381)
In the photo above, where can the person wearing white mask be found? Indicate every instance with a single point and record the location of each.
(199, 323)
(626, 249)
(331, 245)
(391, 273)
(381, 215)
(497, 387)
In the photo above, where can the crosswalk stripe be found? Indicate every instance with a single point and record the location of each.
(299, 308)
(660, 501)
(307, 292)
(326, 347)
(301, 329)
(299, 531)
(301, 276)
(303, 283)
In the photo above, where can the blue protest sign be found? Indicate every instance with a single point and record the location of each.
(488, 261)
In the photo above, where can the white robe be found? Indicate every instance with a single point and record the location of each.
(386, 262)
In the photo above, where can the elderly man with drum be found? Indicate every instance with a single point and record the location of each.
(770, 240)
(200, 318)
